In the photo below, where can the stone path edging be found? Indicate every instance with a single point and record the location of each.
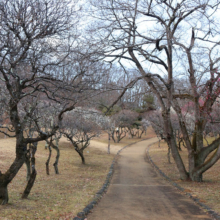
(82, 215)
(215, 215)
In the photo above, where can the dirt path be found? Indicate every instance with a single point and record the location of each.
(104, 147)
(138, 192)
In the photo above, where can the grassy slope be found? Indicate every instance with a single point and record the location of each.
(208, 191)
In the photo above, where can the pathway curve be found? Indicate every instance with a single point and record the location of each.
(137, 192)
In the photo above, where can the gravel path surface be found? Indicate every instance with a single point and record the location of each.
(137, 192)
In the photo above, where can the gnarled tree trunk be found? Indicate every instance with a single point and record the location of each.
(32, 150)
(3, 191)
(28, 165)
(7, 177)
(109, 139)
(82, 156)
(57, 158)
(48, 159)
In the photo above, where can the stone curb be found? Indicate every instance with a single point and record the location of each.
(82, 215)
(215, 215)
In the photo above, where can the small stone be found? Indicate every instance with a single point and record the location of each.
(90, 206)
(77, 218)
(86, 211)
(81, 214)
(93, 203)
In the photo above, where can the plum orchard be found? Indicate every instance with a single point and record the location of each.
(41, 72)
(170, 42)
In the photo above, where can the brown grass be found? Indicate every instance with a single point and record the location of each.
(208, 191)
(57, 196)
(125, 141)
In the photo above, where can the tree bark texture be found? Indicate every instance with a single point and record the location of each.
(29, 184)
(3, 194)
(109, 139)
(48, 160)
(82, 156)
(32, 150)
(7, 177)
(57, 158)
(28, 165)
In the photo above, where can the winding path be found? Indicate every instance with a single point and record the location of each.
(137, 192)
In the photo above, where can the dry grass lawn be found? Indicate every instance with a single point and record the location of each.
(55, 196)
(58, 196)
(208, 191)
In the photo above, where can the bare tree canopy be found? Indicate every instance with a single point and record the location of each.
(174, 45)
(80, 126)
(41, 74)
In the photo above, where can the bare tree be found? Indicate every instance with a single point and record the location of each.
(35, 47)
(108, 125)
(129, 120)
(47, 122)
(51, 144)
(156, 121)
(121, 121)
(142, 128)
(79, 127)
(167, 40)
